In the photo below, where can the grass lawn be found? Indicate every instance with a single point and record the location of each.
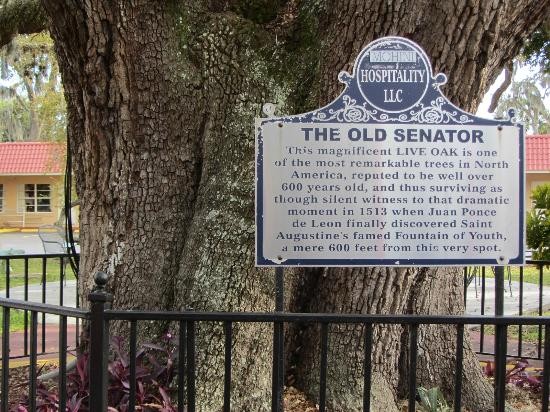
(530, 274)
(17, 272)
(17, 319)
(529, 333)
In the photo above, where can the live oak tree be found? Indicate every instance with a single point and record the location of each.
(161, 97)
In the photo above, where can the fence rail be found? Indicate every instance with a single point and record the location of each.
(530, 298)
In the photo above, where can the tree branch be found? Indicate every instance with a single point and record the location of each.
(508, 72)
(20, 17)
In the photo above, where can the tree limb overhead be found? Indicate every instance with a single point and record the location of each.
(508, 72)
(20, 17)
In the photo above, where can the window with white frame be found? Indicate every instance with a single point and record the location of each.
(38, 198)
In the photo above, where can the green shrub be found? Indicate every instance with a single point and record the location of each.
(538, 223)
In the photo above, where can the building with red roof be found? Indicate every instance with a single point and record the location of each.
(31, 183)
(31, 179)
(537, 163)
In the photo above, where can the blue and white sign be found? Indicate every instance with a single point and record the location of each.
(389, 173)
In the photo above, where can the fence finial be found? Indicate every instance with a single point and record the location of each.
(100, 279)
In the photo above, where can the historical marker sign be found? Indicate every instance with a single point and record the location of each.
(390, 173)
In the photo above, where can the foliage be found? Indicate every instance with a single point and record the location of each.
(536, 49)
(432, 400)
(541, 196)
(538, 223)
(32, 105)
(155, 380)
(518, 374)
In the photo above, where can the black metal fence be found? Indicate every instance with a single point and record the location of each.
(35, 310)
(100, 315)
(29, 278)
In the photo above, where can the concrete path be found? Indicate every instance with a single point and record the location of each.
(473, 305)
(29, 242)
(51, 343)
(52, 295)
(511, 302)
(511, 298)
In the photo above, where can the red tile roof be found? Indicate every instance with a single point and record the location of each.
(537, 152)
(31, 158)
(48, 158)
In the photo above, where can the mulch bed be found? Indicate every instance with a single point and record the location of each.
(19, 383)
(294, 400)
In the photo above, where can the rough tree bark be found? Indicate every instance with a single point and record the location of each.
(161, 98)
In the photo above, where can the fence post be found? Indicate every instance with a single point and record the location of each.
(501, 343)
(277, 386)
(100, 300)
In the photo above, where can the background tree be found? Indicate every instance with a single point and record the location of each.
(32, 106)
(536, 50)
(538, 223)
(528, 97)
(161, 98)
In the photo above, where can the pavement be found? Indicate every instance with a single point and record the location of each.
(511, 298)
(53, 290)
(47, 347)
(473, 303)
(473, 307)
(30, 243)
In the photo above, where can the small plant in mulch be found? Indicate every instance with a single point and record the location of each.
(432, 400)
(155, 380)
(519, 374)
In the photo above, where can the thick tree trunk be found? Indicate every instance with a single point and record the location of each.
(390, 289)
(161, 99)
(136, 121)
(437, 344)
